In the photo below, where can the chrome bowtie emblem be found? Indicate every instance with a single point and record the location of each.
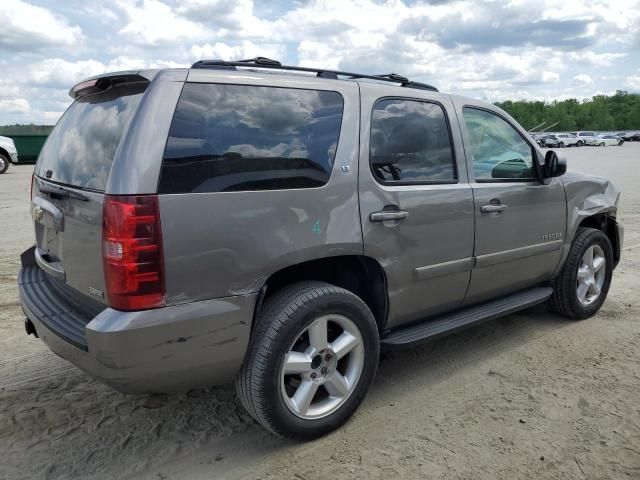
(37, 213)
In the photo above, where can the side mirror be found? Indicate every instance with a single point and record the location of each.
(554, 166)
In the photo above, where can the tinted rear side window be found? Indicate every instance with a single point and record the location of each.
(239, 137)
(82, 146)
(410, 143)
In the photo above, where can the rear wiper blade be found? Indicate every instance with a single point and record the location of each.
(62, 192)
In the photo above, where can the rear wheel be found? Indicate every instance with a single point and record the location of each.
(4, 163)
(602, 144)
(311, 359)
(561, 144)
(582, 286)
(580, 143)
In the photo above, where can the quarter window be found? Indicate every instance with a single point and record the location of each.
(498, 151)
(410, 143)
(240, 137)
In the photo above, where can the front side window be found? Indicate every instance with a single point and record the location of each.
(241, 137)
(410, 143)
(498, 150)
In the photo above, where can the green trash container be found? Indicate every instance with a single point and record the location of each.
(28, 146)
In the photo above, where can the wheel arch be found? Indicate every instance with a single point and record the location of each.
(4, 152)
(360, 274)
(605, 223)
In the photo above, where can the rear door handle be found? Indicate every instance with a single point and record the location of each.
(384, 215)
(493, 208)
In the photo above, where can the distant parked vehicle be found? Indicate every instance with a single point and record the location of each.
(586, 138)
(540, 138)
(561, 140)
(609, 139)
(537, 137)
(8, 153)
(629, 136)
(623, 135)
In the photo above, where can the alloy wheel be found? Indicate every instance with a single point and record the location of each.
(322, 367)
(591, 275)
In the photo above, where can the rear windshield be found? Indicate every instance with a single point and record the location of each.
(80, 150)
(240, 137)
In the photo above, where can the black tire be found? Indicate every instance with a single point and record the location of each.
(580, 143)
(561, 144)
(601, 144)
(279, 322)
(4, 163)
(565, 298)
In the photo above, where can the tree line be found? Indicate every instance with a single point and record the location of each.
(25, 129)
(603, 113)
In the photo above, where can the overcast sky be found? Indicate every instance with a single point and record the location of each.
(493, 50)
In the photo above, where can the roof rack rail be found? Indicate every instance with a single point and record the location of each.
(263, 62)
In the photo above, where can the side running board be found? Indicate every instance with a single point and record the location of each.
(452, 322)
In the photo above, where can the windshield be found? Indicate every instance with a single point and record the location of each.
(80, 150)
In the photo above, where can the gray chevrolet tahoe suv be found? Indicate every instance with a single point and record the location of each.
(279, 225)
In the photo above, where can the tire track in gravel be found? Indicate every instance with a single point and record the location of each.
(33, 369)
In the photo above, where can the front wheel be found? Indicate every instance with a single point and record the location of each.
(602, 144)
(580, 143)
(311, 359)
(561, 144)
(582, 286)
(4, 163)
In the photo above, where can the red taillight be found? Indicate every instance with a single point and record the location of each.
(132, 252)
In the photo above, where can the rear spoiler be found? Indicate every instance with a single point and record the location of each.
(104, 82)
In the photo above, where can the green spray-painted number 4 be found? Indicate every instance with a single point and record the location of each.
(316, 228)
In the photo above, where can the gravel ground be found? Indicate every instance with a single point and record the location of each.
(526, 396)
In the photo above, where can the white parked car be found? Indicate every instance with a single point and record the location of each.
(586, 138)
(8, 153)
(561, 140)
(609, 140)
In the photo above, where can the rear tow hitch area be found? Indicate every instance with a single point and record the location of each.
(30, 328)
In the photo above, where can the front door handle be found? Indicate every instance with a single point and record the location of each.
(384, 215)
(493, 208)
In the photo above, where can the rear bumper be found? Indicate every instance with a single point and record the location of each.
(168, 349)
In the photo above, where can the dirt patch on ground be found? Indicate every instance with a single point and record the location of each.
(526, 396)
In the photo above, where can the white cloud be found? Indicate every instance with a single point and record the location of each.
(245, 49)
(16, 105)
(589, 57)
(59, 73)
(131, 63)
(633, 82)
(26, 27)
(154, 23)
(230, 19)
(582, 80)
